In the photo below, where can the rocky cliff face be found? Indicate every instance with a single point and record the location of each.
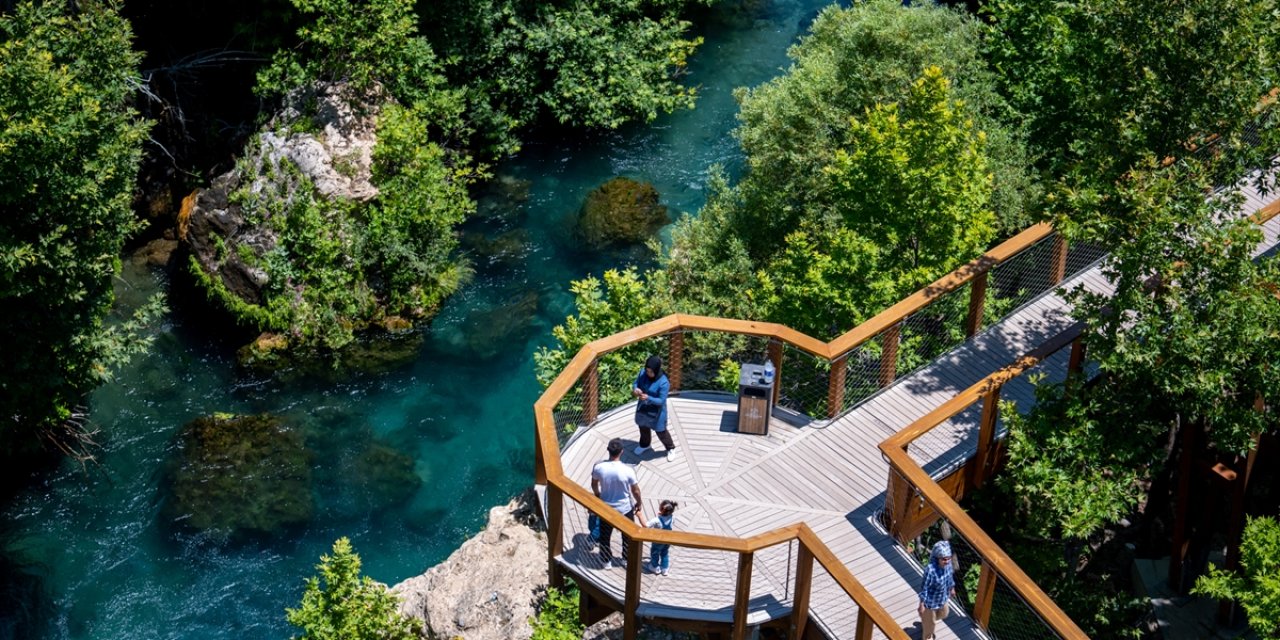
(490, 587)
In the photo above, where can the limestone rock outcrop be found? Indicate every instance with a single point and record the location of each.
(489, 588)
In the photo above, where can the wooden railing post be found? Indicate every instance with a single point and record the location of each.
(775, 356)
(800, 602)
(983, 599)
(675, 360)
(742, 596)
(555, 535)
(539, 465)
(977, 304)
(986, 437)
(1058, 260)
(897, 503)
(1076, 361)
(835, 385)
(591, 389)
(864, 628)
(889, 355)
(630, 621)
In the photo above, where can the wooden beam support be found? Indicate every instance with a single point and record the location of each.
(865, 626)
(889, 355)
(1058, 260)
(631, 622)
(800, 602)
(591, 393)
(986, 436)
(977, 304)
(555, 535)
(835, 386)
(897, 504)
(985, 597)
(1181, 510)
(1075, 362)
(539, 460)
(675, 360)
(775, 356)
(742, 596)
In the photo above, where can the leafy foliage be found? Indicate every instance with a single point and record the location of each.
(592, 63)
(340, 604)
(558, 617)
(1104, 83)
(621, 301)
(69, 152)
(1257, 588)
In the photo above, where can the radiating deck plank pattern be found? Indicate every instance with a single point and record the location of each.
(827, 474)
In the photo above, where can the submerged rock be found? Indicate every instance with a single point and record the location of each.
(621, 211)
(388, 476)
(239, 476)
(488, 589)
(484, 332)
(502, 199)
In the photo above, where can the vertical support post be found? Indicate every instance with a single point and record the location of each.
(1178, 552)
(977, 304)
(675, 359)
(889, 355)
(985, 596)
(864, 628)
(775, 356)
(800, 603)
(1076, 361)
(1058, 260)
(631, 622)
(539, 465)
(591, 403)
(1235, 523)
(835, 385)
(898, 502)
(986, 437)
(742, 596)
(555, 535)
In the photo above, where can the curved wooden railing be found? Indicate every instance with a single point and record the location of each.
(582, 370)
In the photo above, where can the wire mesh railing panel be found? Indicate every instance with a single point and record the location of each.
(804, 382)
(933, 331)
(1020, 279)
(713, 359)
(570, 411)
(1082, 255)
(862, 372)
(1012, 618)
(834, 611)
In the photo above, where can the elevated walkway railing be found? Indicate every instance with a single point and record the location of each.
(815, 378)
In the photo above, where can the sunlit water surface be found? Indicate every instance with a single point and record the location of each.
(110, 566)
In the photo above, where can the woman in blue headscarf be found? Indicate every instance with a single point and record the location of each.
(650, 390)
(938, 587)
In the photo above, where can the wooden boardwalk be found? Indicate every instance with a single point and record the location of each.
(827, 474)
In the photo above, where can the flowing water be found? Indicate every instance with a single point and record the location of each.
(99, 560)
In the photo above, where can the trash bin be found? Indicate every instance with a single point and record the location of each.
(755, 400)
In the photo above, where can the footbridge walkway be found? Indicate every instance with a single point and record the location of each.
(872, 439)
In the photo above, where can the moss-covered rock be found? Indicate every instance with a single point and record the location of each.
(619, 212)
(388, 476)
(239, 476)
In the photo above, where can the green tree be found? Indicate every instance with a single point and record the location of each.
(621, 301)
(340, 604)
(590, 63)
(1104, 83)
(853, 59)
(1186, 340)
(69, 152)
(1257, 588)
(558, 616)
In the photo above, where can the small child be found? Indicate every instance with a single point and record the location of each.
(660, 554)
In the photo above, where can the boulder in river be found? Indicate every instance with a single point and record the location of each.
(239, 476)
(619, 212)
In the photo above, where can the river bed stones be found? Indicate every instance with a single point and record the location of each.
(239, 476)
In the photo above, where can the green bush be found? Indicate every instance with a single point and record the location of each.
(1257, 586)
(339, 604)
(558, 617)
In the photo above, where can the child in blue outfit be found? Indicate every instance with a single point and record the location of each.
(660, 554)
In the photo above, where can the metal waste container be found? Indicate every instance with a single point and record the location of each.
(755, 400)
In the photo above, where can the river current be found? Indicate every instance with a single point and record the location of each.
(98, 560)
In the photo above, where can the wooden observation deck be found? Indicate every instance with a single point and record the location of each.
(803, 528)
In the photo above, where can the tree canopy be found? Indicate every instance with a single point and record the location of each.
(69, 152)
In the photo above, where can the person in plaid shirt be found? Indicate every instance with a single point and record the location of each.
(939, 585)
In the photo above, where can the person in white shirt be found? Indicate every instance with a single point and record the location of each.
(614, 481)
